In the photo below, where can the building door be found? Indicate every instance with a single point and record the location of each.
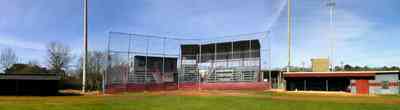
(362, 86)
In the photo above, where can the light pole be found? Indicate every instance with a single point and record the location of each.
(269, 57)
(331, 4)
(85, 44)
(289, 35)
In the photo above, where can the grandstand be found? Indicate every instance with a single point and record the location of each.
(144, 62)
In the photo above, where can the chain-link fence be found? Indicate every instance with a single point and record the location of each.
(143, 62)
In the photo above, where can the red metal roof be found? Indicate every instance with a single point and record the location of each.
(357, 74)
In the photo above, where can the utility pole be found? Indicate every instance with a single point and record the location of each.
(342, 65)
(85, 44)
(289, 35)
(331, 4)
(269, 57)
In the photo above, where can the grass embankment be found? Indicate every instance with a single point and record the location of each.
(204, 100)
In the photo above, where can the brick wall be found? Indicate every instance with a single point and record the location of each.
(187, 86)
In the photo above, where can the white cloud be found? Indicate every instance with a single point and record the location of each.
(275, 15)
(19, 43)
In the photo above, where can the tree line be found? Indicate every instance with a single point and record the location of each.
(348, 67)
(59, 60)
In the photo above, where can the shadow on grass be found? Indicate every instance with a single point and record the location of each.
(41, 94)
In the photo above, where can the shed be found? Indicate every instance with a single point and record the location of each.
(363, 82)
(29, 84)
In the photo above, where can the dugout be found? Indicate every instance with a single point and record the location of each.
(360, 82)
(29, 84)
(324, 81)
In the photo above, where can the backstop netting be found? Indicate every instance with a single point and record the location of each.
(143, 62)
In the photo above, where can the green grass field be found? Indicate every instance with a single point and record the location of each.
(204, 100)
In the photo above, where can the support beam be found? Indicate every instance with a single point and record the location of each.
(108, 65)
(279, 80)
(305, 85)
(163, 59)
(181, 66)
(269, 61)
(145, 67)
(249, 58)
(198, 68)
(327, 85)
(215, 60)
(16, 87)
(126, 76)
(134, 54)
(231, 61)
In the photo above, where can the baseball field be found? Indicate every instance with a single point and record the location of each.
(202, 100)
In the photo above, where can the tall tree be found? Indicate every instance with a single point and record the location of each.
(348, 67)
(7, 58)
(26, 69)
(59, 56)
(338, 68)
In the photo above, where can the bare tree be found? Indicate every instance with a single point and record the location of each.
(96, 66)
(59, 56)
(7, 57)
(33, 62)
(98, 61)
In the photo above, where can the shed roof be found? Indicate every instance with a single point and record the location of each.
(358, 74)
(43, 76)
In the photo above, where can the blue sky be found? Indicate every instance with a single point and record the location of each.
(366, 30)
